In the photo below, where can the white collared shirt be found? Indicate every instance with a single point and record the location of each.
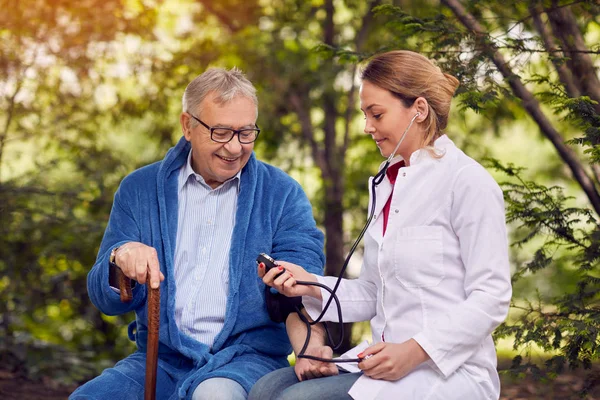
(440, 275)
(205, 222)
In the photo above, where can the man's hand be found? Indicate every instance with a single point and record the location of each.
(137, 260)
(392, 361)
(308, 369)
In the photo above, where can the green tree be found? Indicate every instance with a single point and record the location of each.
(57, 178)
(531, 58)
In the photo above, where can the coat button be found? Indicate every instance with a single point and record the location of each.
(396, 211)
(404, 174)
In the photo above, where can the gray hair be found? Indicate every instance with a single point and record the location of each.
(226, 84)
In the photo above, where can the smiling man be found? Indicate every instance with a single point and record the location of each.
(194, 223)
(215, 155)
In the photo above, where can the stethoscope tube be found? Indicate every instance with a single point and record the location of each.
(377, 179)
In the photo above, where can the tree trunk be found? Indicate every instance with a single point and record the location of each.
(334, 247)
(572, 86)
(530, 104)
(554, 53)
(565, 28)
(333, 180)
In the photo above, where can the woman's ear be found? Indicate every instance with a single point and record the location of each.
(422, 107)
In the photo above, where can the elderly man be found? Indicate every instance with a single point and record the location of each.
(194, 223)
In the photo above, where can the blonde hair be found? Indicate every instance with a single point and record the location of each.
(409, 75)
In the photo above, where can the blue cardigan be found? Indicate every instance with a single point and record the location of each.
(273, 216)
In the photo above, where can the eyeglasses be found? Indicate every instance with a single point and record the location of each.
(224, 135)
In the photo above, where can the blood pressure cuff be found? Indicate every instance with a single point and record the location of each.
(280, 306)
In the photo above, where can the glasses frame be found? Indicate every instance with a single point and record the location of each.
(235, 131)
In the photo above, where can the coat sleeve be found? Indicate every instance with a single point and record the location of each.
(357, 297)
(477, 218)
(122, 228)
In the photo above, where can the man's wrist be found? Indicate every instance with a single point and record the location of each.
(319, 338)
(114, 269)
(113, 256)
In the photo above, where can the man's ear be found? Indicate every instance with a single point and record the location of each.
(184, 121)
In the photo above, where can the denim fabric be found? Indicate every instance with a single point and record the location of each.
(219, 389)
(284, 385)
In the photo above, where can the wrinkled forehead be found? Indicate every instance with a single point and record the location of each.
(238, 112)
(238, 103)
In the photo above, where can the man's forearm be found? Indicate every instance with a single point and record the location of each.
(296, 330)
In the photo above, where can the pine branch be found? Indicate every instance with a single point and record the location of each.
(530, 104)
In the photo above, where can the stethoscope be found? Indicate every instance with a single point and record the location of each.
(377, 179)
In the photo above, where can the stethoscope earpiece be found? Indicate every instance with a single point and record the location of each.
(389, 160)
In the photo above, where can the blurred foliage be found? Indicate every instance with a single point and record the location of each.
(91, 90)
(57, 183)
(564, 325)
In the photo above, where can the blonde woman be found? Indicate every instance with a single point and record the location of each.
(435, 280)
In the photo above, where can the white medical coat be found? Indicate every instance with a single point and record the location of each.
(440, 275)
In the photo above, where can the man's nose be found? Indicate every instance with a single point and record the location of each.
(234, 146)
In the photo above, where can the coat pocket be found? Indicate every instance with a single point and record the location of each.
(418, 256)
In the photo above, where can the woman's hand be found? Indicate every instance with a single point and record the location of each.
(392, 361)
(284, 276)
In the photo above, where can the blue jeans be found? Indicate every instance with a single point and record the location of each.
(219, 389)
(125, 381)
(283, 384)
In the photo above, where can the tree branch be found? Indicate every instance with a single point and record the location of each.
(596, 172)
(554, 7)
(9, 117)
(349, 112)
(359, 42)
(329, 105)
(224, 18)
(329, 29)
(308, 129)
(519, 48)
(564, 25)
(367, 19)
(530, 104)
(556, 55)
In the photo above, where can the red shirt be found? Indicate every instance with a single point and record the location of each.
(392, 174)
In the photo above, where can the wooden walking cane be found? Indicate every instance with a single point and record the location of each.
(153, 324)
